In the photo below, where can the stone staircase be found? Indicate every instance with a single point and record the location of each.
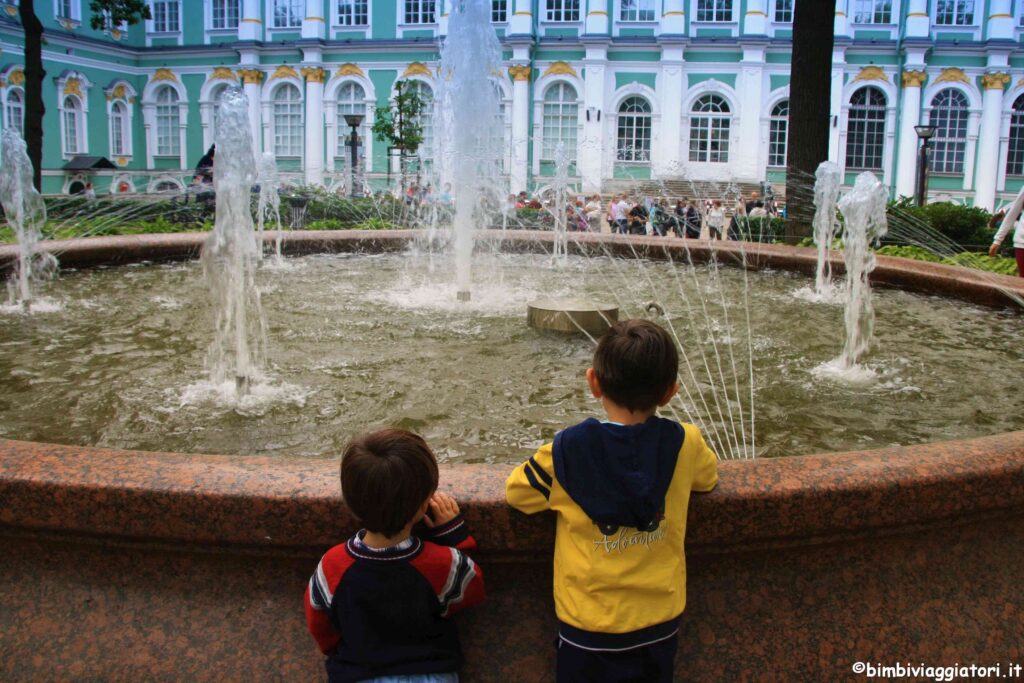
(677, 188)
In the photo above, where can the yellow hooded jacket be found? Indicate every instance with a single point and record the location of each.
(621, 495)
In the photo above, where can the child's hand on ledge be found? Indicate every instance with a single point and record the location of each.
(443, 509)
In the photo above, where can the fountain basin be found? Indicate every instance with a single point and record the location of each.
(131, 565)
(571, 316)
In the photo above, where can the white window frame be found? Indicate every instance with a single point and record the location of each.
(20, 92)
(210, 17)
(299, 105)
(693, 123)
(126, 128)
(631, 157)
(151, 24)
(272, 15)
(548, 144)
(75, 115)
(733, 8)
(74, 5)
(944, 145)
(558, 8)
(651, 6)
(336, 15)
(883, 120)
(871, 7)
(775, 12)
(509, 7)
(170, 151)
(428, 119)
(975, 23)
(775, 122)
(421, 13)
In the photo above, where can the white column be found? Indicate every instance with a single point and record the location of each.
(988, 139)
(597, 18)
(673, 18)
(149, 125)
(519, 173)
(251, 26)
(917, 19)
(314, 125)
(836, 109)
(666, 147)
(755, 21)
(589, 160)
(251, 80)
(1000, 20)
(842, 24)
(910, 116)
(750, 88)
(522, 19)
(314, 24)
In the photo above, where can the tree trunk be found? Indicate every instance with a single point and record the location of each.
(809, 109)
(34, 75)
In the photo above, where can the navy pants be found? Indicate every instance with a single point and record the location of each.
(648, 664)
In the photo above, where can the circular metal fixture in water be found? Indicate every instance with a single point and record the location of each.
(571, 316)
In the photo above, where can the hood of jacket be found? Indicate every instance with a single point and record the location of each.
(619, 474)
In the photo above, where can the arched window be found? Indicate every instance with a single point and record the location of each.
(949, 117)
(634, 131)
(865, 137)
(351, 100)
(16, 110)
(561, 121)
(215, 96)
(709, 130)
(168, 141)
(778, 134)
(1015, 153)
(426, 119)
(118, 129)
(287, 121)
(72, 125)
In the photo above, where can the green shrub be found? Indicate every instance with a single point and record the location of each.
(328, 224)
(905, 251)
(965, 225)
(997, 264)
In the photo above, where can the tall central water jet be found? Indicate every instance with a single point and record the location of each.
(827, 180)
(471, 127)
(26, 214)
(231, 252)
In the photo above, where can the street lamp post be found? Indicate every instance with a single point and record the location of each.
(354, 120)
(924, 133)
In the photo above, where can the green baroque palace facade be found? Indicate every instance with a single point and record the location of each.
(636, 89)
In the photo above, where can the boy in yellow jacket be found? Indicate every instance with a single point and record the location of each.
(620, 488)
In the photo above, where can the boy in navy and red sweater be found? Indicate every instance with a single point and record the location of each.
(378, 604)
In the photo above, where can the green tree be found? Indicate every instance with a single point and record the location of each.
(809, 109)
(105, 14)
(400, 124)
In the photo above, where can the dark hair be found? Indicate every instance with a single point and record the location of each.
(385, 477)
(636, 362)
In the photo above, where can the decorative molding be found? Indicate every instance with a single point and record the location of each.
(350, 69)
(914, 79)
(16, 77)
(953, 74)
(73, 87)
(12, 10)
(996, 81)
(284, 71)
(1019, 83)
(314, 74)
(116, 33)
(122, 161)
(224, 73)
(871, 73)
(561, 68)
(68, 24)
(164, 75)
(417, 69)
(520, 72)
(251, 76)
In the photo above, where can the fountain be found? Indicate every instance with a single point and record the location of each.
(469, 107)
(863, 210)
(827, 180)
(231, 252)
(559, 212)
(26, 214)
(269, 204)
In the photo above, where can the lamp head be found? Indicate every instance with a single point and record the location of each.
(924, 132)
(354, 120)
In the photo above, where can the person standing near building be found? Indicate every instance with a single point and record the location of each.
(716, 220)
(1010, 219)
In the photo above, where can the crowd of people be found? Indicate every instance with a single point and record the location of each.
(632, 215)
